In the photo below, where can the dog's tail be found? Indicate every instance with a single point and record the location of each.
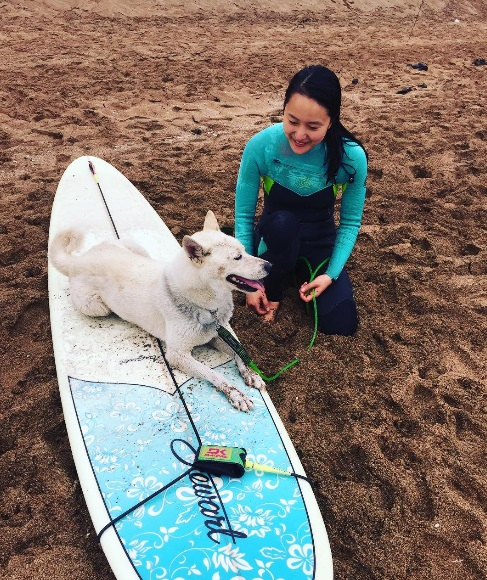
(62, 248)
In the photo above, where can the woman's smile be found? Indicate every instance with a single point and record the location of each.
(299, 143)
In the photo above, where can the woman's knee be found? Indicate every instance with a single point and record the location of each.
(342, 319)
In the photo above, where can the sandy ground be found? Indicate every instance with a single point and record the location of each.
(391, 422)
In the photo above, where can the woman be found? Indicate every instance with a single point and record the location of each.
(302, 164)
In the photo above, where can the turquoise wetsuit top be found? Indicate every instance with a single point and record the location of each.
(268, 158)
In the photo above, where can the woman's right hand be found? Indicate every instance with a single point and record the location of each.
(257, 302)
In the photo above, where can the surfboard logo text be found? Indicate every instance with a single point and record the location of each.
(212, 509)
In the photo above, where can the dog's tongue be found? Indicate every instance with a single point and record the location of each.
(257, 284)
(244, 284)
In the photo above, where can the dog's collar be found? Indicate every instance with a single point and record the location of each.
(203, 319)
(192, 310)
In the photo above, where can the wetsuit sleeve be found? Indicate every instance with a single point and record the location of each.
(247, 193)
(351, 210)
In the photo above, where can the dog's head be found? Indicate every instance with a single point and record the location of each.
(222, 258)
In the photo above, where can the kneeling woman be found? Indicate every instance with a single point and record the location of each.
(302, 164)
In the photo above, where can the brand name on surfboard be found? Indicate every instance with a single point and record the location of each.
(212, 509)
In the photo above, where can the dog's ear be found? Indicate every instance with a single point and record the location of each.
(194, 251)
(210, 222)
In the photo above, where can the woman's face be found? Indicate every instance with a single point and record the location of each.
(305, 123)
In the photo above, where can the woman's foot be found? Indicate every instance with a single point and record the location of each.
(270, 316)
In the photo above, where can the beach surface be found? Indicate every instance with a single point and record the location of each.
(389, 423)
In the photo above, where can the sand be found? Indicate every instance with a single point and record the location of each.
(389, 423)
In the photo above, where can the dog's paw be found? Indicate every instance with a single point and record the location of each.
(238, 399)
(252, 379)
(89, 303)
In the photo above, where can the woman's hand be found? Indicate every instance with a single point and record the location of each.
(257, 302)
(319, 285)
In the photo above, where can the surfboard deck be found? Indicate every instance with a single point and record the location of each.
(134, 423)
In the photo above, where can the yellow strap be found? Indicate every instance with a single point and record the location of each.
(267, 468)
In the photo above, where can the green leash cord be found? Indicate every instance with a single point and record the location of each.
(312, 276)
(233, 343)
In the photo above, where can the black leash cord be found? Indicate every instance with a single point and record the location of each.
(183, 475)
(95, 177)
(142, 502)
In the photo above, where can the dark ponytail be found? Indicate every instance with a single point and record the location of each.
(322, 85)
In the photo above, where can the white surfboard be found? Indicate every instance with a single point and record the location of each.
(134, 424)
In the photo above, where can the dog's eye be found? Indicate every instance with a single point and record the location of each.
(239, 257)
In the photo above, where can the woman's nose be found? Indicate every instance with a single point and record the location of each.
(300, 133)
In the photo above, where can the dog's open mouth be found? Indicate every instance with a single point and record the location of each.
(244, 284)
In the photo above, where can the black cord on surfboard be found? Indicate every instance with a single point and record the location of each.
(97, 181)
(212, 460)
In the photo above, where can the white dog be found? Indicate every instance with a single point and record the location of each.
(181, 302)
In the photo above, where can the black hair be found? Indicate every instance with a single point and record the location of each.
(322, 85)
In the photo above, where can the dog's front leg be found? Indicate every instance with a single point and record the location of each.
(185, 362)
(250, 377)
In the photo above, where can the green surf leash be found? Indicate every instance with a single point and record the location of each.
(235, 345)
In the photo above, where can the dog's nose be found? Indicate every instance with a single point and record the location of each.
(267, 267)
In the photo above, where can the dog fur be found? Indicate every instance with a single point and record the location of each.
(181, 302)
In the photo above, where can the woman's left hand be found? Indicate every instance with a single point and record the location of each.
(319, 285)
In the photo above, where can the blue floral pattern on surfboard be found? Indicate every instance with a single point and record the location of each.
(215, 528)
